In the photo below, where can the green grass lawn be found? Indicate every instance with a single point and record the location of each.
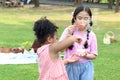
(16, 27)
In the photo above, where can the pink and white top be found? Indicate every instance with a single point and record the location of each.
(92, 44)
(48, 69)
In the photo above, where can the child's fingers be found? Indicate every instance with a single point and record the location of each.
(79, 40)
(77, 59)
(78, 54)
(71, 29)
(72, 58)
(72, 55)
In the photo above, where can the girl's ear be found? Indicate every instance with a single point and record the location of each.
(49, 39)
(90, 20)
(74, 20)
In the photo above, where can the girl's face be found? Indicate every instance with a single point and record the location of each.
(82, 20)
(54, 38)
(51, 40)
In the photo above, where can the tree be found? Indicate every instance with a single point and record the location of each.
(117, 6)
(36, 3)
(110, 3)
(78, 2)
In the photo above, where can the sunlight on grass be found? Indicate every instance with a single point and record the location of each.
(104, 15)
(16, 26)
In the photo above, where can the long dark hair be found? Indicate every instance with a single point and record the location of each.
(80, 9)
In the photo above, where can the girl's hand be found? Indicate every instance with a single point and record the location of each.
(81, 53)
(71, 29)
(72, 59)
(78, 38)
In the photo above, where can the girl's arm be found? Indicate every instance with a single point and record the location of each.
(90, 56)
(67, 33)
(94, 50)
(93, 47)
(87, 55)
(59, 46)
(56, 47)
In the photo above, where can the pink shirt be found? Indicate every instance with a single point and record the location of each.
(92, 44)
(48, 69)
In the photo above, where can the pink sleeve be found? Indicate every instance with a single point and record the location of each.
(93, 45)
(64, 34)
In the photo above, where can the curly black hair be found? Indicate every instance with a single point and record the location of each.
(44, 28)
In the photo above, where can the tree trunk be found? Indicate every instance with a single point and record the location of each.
(75, 2)
(36, 3)
(110, 4)
(78, 2)
(98, 1)
(117, 6)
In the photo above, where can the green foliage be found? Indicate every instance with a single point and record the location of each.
(19, 72)
(16, 27)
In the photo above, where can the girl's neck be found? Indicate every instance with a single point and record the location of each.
(82, 31)
(45, 43)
